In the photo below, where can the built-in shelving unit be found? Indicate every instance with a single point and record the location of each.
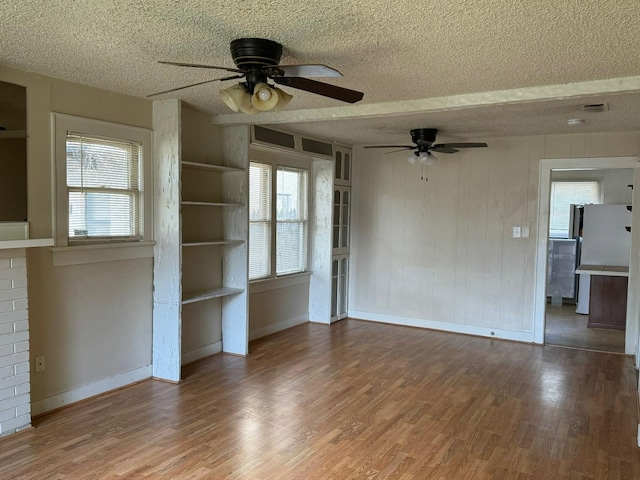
(340, 232)
(201, 295)
(212, 242)
(201, 233)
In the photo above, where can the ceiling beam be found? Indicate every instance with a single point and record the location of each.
(545, 93)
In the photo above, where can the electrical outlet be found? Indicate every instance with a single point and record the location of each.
(39, 364)
(516, 232)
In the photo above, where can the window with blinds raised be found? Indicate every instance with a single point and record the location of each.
(104, 186)
(278, 224)
(563, 195)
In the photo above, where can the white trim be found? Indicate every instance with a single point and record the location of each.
(202, 352)
(443, 326)
(99, 253)
(32, 242)
(63, 123)
(91, 390)
(268, 284)
(540, 299)
(278, 327)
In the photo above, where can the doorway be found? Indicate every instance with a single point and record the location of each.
(564, 315)
(567, 320)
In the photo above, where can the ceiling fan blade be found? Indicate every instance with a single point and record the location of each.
(443, 149)
(461, 145)
(196, 65)
(301, 71)
(320, 88)
(403, 149)
(195, 85)
(391, 146)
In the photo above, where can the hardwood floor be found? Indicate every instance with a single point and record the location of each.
(567, 328)
(356, 400)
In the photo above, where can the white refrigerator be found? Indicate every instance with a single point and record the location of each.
(605, 241)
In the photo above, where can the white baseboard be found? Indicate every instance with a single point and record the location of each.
(91, 390)
(278, 327)
(526, 337)
(201, 352)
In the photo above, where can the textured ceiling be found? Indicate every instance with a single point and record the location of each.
(396, 51)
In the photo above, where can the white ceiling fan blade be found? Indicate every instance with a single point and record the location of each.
(308, 71)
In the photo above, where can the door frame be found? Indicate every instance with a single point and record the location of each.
(544, 190)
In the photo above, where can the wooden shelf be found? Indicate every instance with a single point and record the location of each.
(202, 295)
(205, 243)
(211, 167)
(211, 204)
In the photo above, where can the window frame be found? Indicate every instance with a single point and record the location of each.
(269, 222)
(597, 182)
(276, 159)
(303, 219)
(62, 125)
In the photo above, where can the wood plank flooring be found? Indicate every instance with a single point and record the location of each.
(356, 400)
(567, 328)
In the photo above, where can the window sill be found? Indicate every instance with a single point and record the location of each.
(84, 254)
(28, 243)
(267, 284)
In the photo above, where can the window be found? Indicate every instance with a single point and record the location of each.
(565, 194)
(103, 182)
(291, 221)
(290, 209)
(259, 220)
(104, 188)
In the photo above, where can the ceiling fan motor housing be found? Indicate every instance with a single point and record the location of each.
(252, 55)
(424, 136)
(255, 53)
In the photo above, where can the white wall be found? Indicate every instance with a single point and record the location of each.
(439, 254)
(91, 322)
(275, 305)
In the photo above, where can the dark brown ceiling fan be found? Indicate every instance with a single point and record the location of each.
(257, 61)
(423, 139)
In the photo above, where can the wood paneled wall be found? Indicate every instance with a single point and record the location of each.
(440, 253)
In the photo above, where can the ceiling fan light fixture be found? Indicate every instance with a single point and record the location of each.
(235, 96)
(412, 158)
(264, 97)
(283, 99)
(247, 107)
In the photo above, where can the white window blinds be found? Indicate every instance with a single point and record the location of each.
(565, 194)
(291, 220)
(104, 188)
(259, 220)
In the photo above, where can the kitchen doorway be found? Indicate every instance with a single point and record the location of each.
(605, 191)
(558, 332)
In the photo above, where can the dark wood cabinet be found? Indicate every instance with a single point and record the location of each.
(608, 302)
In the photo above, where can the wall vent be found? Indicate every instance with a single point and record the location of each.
(314, 146)
(595, 107)
(274, 137)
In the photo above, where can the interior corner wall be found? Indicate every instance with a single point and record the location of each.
(440, 253)
(92, 322)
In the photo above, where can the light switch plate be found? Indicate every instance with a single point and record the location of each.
(516, 232)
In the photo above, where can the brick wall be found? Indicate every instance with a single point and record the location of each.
(15, 401)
